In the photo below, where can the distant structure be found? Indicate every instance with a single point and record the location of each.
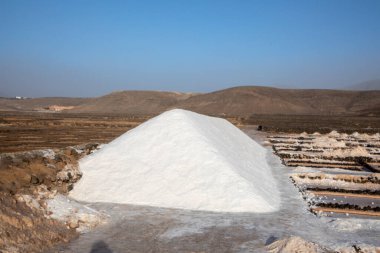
(58, 108)
(17, 97)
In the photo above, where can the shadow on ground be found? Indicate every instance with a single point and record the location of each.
(100, 247)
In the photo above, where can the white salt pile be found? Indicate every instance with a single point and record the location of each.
(181, 159)
(350, 152)
(334, 134)
(327, 142)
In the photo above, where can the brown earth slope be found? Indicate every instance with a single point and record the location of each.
(133, 102)
(237, 101)
(242, 101)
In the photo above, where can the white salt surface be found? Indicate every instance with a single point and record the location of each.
(181, 159)
(66, 210)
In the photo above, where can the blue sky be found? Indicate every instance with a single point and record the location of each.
(90, 48)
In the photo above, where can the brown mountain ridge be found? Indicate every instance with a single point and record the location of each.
(236, 101)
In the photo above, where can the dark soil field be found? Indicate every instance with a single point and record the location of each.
(315, 123)
(20, 131)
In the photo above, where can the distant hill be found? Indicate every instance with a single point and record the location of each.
(265, 100)
(133, 102)
(368, 85)
(237, 101)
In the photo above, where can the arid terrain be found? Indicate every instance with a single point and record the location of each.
(234, 102)
(27, 125)
(189, 127)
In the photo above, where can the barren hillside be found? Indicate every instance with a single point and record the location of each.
(368, 85)
(237, 101)
(133, 102)
(264, 100)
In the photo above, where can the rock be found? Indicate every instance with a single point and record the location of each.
(29, 201)
(73, 223)
(67, 152)
(27, 221)
(70, 187)
(9, 220)
(70, 173)
(34, 179)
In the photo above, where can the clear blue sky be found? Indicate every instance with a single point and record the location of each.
(89, 48)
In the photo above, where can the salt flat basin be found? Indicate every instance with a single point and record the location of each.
(184, 160)
(133, 228)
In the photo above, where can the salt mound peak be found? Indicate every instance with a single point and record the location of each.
(181, 159)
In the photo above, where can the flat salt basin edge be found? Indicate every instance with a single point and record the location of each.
(184, 160)
(133, 228)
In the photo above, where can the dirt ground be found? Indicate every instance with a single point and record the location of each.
(25, 229)
(20, 131)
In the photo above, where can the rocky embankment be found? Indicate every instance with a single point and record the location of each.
(28, 181)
